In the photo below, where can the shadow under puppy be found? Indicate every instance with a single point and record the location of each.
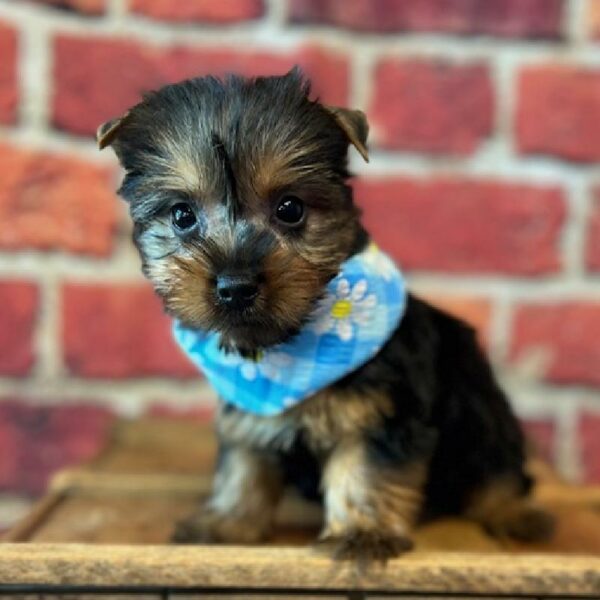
(247, 229)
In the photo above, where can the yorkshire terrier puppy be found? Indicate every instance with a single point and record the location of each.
(332, 377)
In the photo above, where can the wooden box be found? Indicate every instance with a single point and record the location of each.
(103, 529)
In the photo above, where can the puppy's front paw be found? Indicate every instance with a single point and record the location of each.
(365, 547)
(209, 527)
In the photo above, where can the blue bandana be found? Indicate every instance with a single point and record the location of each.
(362, 307)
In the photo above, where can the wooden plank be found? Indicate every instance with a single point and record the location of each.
(577, 532)
(262, 596)
(82, 596)
(158, 446)
(101, 517)
(570, 495)
(454, 597)
(143, 509)
(102, 482)
(295, 568)
(350, 596)
(115, 519)
(41, 511)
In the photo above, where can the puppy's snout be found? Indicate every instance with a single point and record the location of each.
(237, 291)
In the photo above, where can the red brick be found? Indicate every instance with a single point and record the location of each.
(204, 11)
(505, 18)
(119, 331)
(49, 201)
(562, 338)
(19, 302)
(85, 7)
(89, 89)
(541, 433)
(8, 74)
(36, 441)
(589, 442)
(431, 106)
(592, 249)
(460, 225)
(558, 112)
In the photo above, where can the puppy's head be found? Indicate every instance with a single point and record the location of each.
(238, 194)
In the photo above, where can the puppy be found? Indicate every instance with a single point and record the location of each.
(333, 378)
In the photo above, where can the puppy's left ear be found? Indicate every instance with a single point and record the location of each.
(107, 132)
(354, 124)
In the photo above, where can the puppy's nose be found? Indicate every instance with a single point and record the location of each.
(236, 291)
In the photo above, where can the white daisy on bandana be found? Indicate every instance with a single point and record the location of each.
(340, 313)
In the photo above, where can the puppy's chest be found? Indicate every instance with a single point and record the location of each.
(322, 420)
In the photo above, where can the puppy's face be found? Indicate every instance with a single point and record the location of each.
(238, 194)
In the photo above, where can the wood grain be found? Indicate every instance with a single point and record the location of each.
(40, 513)
(294, 568)
(158, 446)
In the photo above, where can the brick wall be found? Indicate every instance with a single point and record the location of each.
(484, 184)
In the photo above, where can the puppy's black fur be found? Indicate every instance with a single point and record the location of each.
(420, 430)
(447, 404)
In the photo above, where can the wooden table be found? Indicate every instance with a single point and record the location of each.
(104, 528)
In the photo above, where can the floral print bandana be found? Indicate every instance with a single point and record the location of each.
(362, 307)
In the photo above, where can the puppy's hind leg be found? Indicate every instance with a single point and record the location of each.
(504, 508)
(246, 491)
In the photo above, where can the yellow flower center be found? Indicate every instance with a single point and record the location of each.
(341, 309)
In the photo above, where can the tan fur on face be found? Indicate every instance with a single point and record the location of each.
(184, 174)
(292, 285)
(185, 285)
(180, 167)
(278, 168)
(185, 279)
(186, 282)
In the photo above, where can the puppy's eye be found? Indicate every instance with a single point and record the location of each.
(290, 210)
(183, 216)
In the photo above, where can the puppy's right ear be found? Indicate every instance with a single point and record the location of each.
(107, 132)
